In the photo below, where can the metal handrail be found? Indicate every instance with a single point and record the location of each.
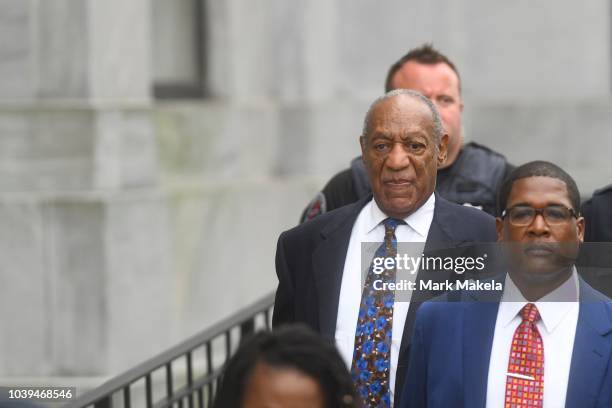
(102, 396)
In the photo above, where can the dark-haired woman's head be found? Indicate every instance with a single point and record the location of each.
(291, 366)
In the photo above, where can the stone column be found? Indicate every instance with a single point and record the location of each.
(85, 288)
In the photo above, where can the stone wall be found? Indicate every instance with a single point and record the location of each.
(130, 223)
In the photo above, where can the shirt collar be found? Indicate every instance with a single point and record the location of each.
(553, 307)
(417, 220)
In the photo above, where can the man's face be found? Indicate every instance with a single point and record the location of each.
(541, 253)
(439, 83)
(400, 156)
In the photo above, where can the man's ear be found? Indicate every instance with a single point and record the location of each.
(362, 143)
(580, 226)
(442, 149)
(499, 226)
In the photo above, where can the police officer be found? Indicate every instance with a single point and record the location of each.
(597, 214)
(595, 261)
(471, 174)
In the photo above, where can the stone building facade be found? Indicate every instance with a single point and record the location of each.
(151, 151)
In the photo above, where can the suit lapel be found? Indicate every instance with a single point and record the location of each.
(328, 263)
(591, 351)
(439, 235)
(437, 238)
(478, 330)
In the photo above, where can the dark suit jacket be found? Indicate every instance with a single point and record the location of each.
(451, 349)
(310, 261)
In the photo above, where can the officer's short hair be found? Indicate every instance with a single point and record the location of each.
(425, 54)
(538, 168)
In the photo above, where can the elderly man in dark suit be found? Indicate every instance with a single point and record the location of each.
(319, 263)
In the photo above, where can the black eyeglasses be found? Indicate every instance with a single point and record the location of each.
(523, 215)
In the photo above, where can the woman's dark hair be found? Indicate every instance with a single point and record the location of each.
(296, 347)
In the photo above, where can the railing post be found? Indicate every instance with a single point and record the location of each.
(200, 389)
(247, 328)
(106, 402)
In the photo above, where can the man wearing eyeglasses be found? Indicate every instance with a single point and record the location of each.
(546, 341)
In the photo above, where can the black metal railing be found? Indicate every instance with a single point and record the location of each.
(157, 383)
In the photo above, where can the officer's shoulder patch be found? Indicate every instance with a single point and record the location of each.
(316, 207)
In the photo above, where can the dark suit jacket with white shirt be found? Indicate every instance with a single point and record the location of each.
(451, 352)
(310, 260)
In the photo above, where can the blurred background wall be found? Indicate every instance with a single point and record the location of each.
(151, 151)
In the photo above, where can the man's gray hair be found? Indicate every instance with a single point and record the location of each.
(438, 129)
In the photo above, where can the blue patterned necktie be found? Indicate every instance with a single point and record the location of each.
(372, 356)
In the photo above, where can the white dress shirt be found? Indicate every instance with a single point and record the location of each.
(557, 327)
(368, 228)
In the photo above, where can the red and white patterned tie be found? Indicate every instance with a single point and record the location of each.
(525, 377)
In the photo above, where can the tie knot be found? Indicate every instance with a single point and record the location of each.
(392, 223)
(530, 313)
